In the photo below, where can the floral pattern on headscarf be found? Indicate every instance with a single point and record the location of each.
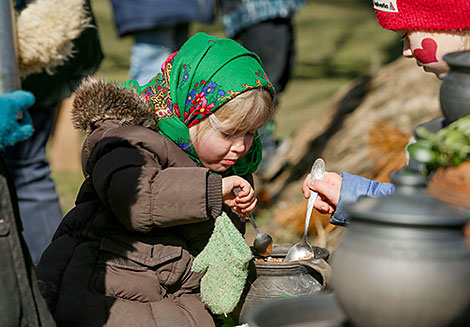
(196, 81)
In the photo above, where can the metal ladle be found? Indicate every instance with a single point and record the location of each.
(301, 249)
(263, 243)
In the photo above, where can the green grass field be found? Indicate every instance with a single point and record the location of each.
(336, 42)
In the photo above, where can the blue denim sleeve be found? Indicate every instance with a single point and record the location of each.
(352, 187)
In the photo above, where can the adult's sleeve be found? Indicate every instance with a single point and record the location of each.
(352, 187)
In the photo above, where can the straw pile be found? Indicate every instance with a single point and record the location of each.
(363, 130)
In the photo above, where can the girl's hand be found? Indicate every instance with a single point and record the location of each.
(245, 200)
(328, 191)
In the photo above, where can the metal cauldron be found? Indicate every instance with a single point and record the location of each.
(269, 281)
(404, 260)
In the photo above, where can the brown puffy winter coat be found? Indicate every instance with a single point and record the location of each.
(123, 255)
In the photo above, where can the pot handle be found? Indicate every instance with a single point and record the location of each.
(322, 267)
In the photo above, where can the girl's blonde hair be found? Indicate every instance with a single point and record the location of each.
(466, 41)
(246, 112)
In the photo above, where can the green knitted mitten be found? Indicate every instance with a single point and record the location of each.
(225, 263)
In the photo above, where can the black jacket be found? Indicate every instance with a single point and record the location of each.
(21, 303)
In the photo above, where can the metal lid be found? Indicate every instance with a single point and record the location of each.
(408, 205)
(459, 61)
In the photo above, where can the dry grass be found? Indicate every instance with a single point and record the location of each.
(387, 145)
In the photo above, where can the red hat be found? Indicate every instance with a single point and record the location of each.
(423, 14)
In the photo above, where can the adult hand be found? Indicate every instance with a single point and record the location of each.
(328, 191)
(13, 129)
(245, 200)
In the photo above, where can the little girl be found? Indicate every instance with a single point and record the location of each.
(160, 163)
(429, 29)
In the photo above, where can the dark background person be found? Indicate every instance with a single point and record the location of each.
(159, 28)
(37, 198)
(266, 28)
(21, 303)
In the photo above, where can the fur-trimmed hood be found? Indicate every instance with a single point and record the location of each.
(96, 99)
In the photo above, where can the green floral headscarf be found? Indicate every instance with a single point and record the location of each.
(197, 80)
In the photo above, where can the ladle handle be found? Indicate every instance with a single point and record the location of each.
(311, 202)
(317, 172)
(249, 215)
(252, 221)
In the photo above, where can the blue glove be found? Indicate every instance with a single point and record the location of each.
(12, 130)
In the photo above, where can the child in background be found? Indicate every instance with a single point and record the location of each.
(429, 29)
(160, 161)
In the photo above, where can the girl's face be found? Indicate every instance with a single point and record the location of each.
(428, 48)
(218, 151)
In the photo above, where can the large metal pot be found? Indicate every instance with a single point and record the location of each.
(279, 280)
(403, 261)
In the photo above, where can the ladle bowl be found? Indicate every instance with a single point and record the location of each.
(263, 243)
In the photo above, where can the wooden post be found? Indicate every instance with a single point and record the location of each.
(9, 72)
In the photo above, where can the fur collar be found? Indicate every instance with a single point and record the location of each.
(46, 30)
(97, 99)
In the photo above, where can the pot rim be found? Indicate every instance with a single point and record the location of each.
(459, 60)
(280, 250)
